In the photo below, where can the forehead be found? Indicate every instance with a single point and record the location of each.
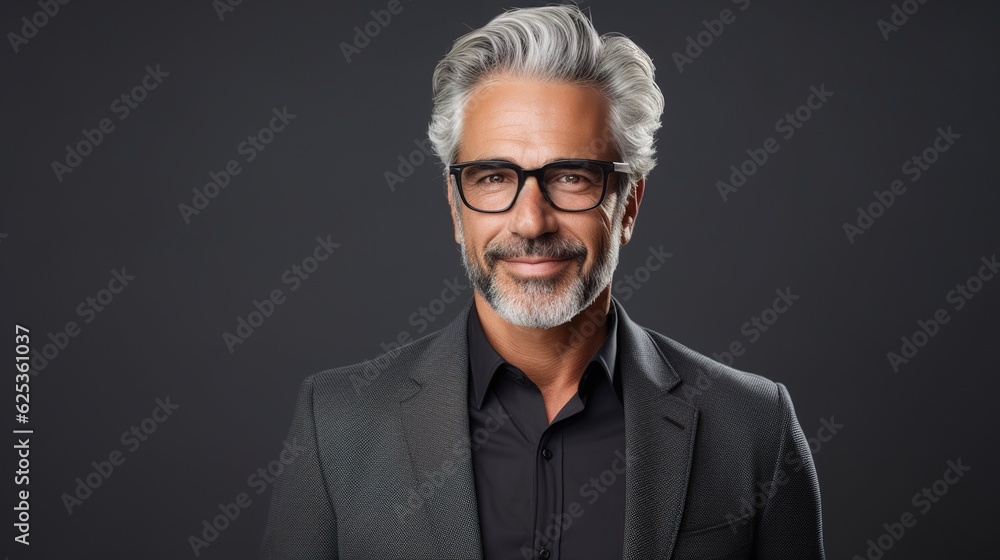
(532, 121)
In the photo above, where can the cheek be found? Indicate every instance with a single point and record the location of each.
(477, 235)
(601, 244)
(586, 235)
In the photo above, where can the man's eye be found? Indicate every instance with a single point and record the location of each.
(575, 179)
(492, 179)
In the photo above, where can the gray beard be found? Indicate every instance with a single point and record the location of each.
(537, 302)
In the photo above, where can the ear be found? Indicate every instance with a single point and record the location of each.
(632, 210)
(454, 211)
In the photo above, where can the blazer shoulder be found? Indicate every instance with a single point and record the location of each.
(370, 381)
(710, 383)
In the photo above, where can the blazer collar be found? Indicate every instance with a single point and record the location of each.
(659, 441)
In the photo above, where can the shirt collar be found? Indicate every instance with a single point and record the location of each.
(484, 360)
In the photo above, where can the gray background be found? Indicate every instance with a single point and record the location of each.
(323, 175)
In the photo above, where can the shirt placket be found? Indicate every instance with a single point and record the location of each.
(549, 494)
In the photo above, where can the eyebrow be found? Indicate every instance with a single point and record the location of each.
(493, 158)
(509, 160)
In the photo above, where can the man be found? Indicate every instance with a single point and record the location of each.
(543, 422)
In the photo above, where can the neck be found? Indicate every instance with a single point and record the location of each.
(552, 358)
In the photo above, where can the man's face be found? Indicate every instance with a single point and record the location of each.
(573, 254)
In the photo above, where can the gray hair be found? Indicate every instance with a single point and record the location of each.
(552, 43)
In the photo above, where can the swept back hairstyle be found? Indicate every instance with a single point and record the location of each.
(552, 43)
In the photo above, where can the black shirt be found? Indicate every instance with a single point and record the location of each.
(547, 491)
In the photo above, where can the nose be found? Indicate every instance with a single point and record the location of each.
(532, 215)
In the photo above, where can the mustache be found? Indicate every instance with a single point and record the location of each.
(546, 248)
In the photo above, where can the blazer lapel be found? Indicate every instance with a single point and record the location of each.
(435, 418)
(659, 444)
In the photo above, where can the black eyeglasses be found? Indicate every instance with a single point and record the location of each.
(570, 185)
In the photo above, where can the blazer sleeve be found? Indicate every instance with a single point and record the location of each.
(790, 524)
(301, 523)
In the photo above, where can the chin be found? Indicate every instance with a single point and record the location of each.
(526, 308)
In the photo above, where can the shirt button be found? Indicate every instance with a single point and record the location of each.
(543, 553)
(547, 453)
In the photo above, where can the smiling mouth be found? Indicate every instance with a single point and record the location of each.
(535, 266)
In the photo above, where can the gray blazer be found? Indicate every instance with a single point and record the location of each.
(717, 466)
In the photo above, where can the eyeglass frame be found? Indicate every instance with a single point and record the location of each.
(538, 173)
